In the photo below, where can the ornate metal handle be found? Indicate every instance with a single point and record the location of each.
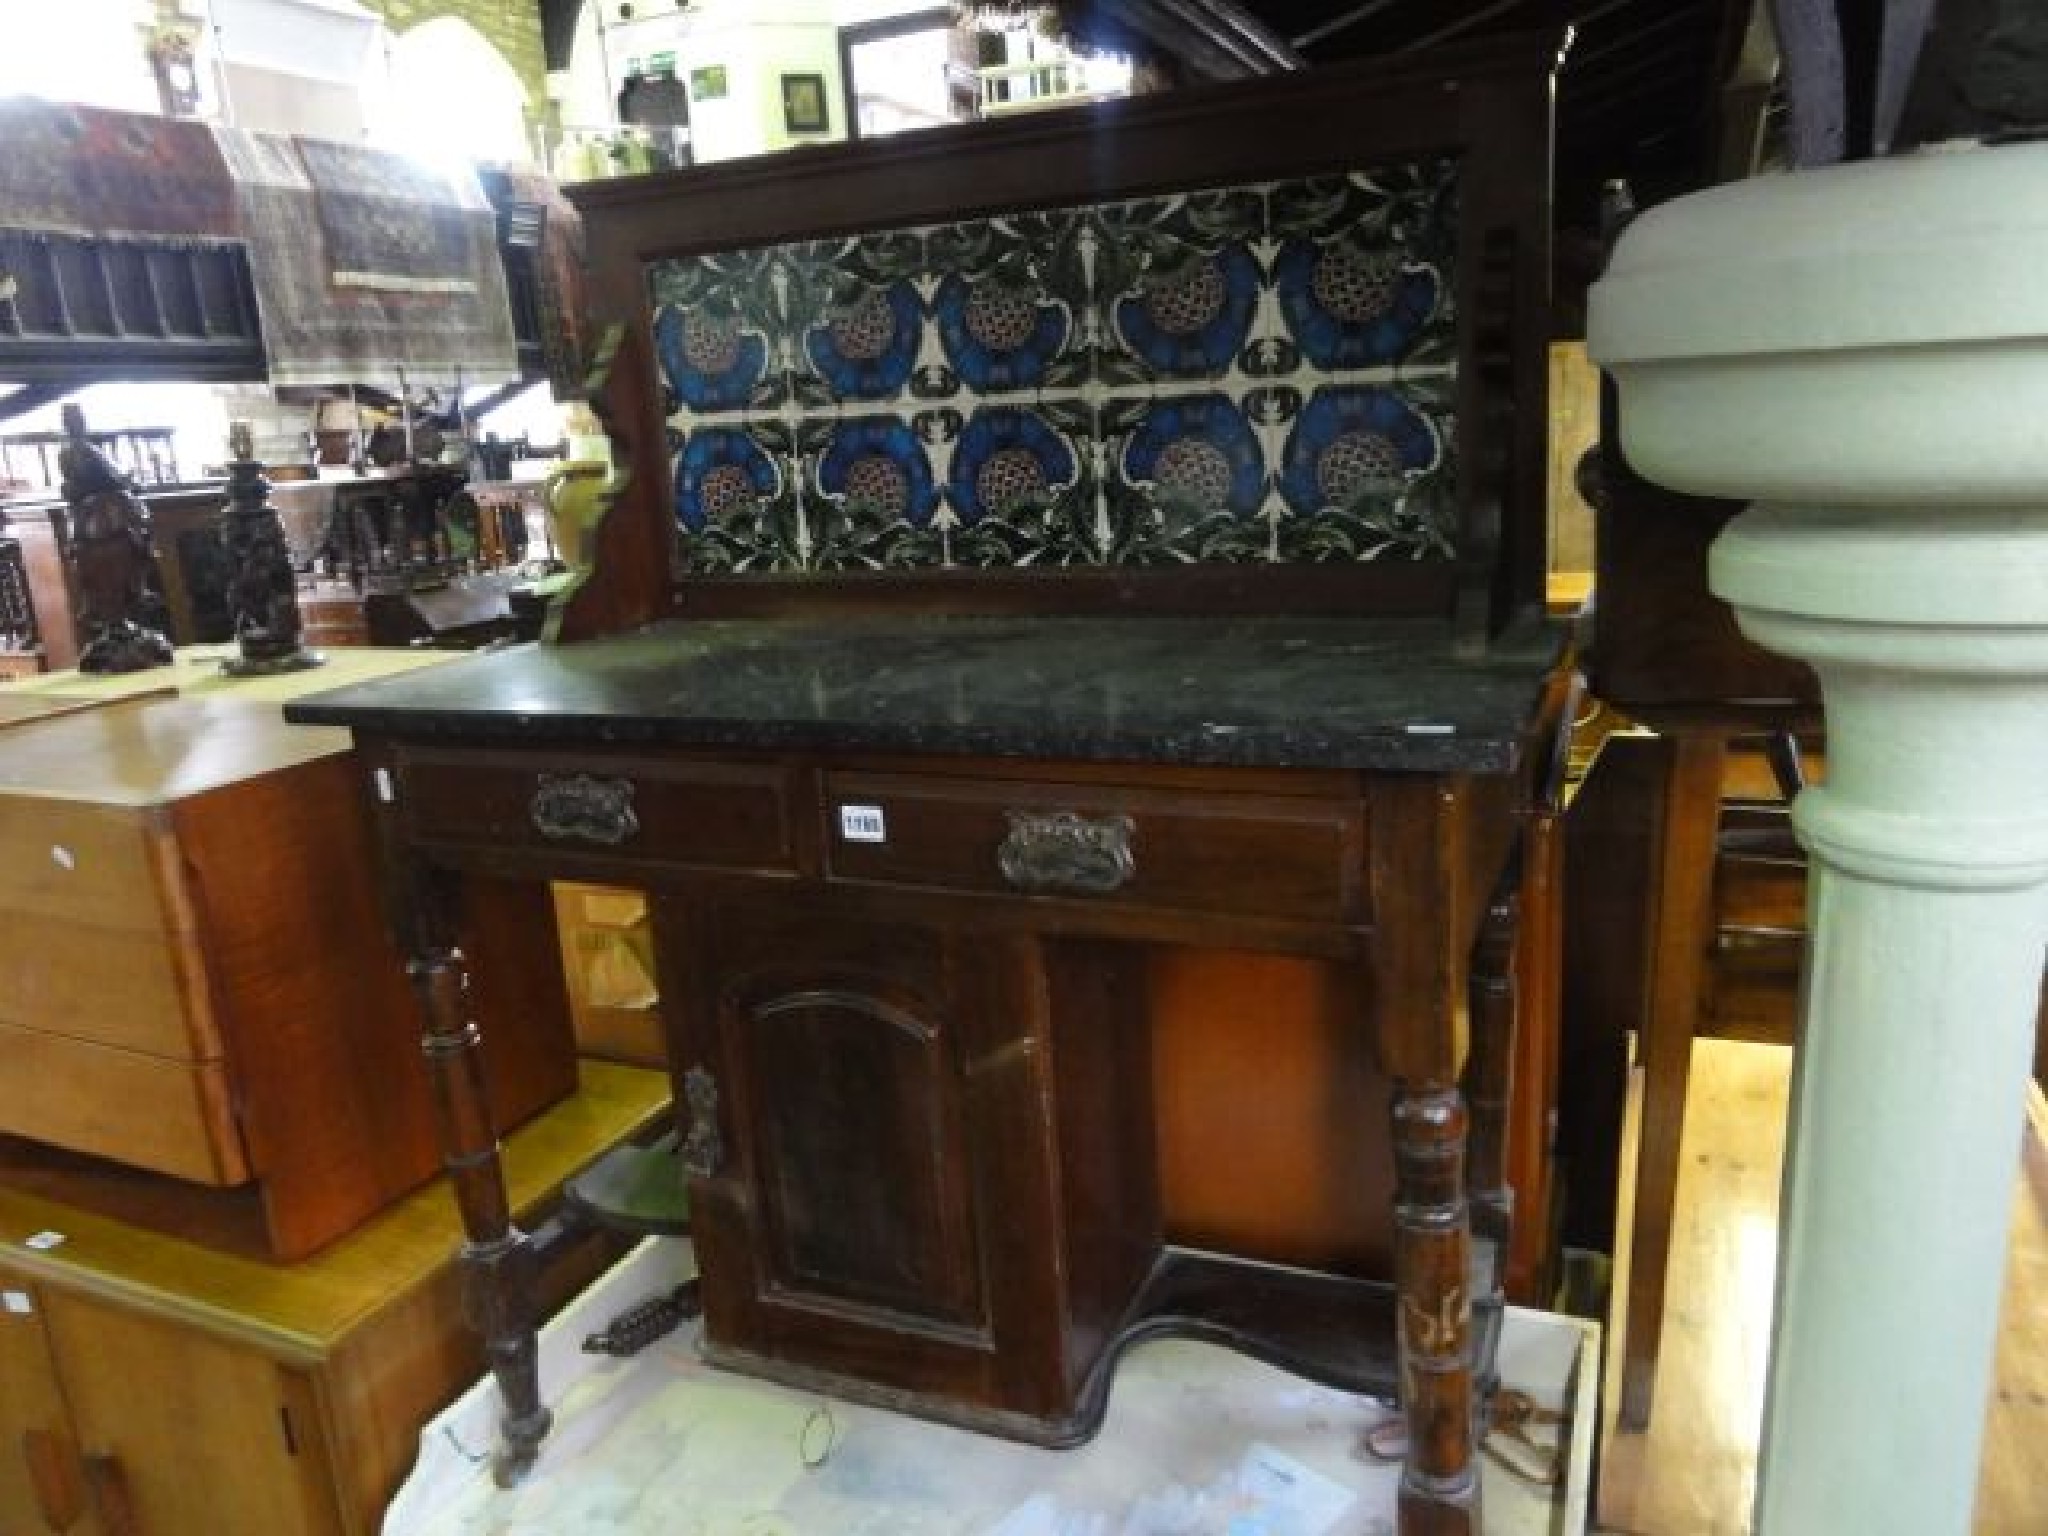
(577, 808)
(1064, 851)
(703, 1151)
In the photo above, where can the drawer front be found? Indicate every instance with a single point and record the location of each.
(623, 810)
(91, 863)
(139, 990)
(145, 1111)
(1260, 856)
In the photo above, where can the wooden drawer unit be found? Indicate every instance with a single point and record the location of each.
(195, 975)
(681, 813)
(1272, 857)
(149, 1387)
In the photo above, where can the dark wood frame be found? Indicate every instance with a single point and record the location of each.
(936, 19)
(1425, 935)
(791, 84)
(1488, 104)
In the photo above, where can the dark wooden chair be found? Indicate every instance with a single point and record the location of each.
(1667, 654)
(21, 644)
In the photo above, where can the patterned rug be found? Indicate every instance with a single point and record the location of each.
(89, 171)
(558, 269)
(390, 222)
(359, 305)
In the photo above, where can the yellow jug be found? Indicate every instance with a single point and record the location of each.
(574, 495)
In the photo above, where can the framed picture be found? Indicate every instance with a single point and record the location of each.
(803, 104)
(708, 83)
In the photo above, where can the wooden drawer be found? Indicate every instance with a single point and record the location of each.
(88, 862)
(1275, 857)
(148, 1112)
(715, 815)
(139, 989)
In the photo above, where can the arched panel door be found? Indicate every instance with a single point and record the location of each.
(871, 1136)
(855, 1140)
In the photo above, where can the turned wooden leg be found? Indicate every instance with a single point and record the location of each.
(1440, 1479)
(1681, 930)
(1489, 1085)
(498, 1259)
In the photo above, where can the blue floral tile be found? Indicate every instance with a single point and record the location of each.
(709, 359)
(1009, 460)
(1235, 374)
(1199, 452)
(1352, 307)
(1189, 481)
(1177, 284)
(722, 475)
(1364, 267)
(865, 344)
(877, 466)
(736, 502)
(1191, 314)
(998, 336)
(1367, 471)
(1021, 488)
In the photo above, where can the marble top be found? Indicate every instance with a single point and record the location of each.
(1379, 694)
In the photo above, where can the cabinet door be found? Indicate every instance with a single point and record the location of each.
(880, 1167)
(42, 1480)
(841, 1054)
(181, 1432)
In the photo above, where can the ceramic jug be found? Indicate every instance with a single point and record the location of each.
(573, 493)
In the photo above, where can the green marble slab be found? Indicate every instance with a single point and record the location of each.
(1377, 694)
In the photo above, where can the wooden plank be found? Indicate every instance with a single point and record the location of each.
(1694, 1470)
(294, 1311)
(170, 1116)
(139, 989)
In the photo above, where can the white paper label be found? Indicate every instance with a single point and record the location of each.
(43, 1242)
(17, 1302)
(863, 824)
(63, 857)
(385, 792)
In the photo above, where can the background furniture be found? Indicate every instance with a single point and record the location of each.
(153, 1386)
(201, 981)
(1667, 653)
(21, 640)
(38, 531)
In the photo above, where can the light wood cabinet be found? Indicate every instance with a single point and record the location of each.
(151, 1387)
(143, 1424)
(199, 981)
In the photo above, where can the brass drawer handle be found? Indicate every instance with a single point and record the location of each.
(577, 808)
(703, 1151)
(1065, 851)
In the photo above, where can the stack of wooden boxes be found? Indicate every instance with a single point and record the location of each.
(226, 1300)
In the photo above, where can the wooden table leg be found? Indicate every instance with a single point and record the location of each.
(1432, 1256)
(498, 1259)
(1489, 1087)
(1680, 929)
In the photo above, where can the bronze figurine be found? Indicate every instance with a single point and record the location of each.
(111, 559)
(263, 589)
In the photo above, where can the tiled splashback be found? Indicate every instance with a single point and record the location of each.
(1251, 374)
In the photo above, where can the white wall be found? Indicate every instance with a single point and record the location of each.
(93, 53)
(451, 93)
(756, 41)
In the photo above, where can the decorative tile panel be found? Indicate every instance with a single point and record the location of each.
(1246, 374)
